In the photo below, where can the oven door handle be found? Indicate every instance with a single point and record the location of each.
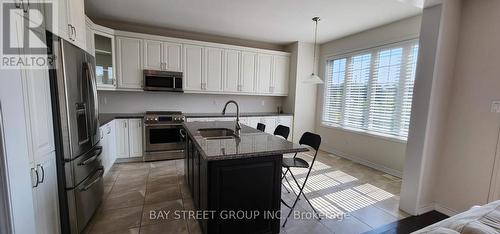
(162, 125)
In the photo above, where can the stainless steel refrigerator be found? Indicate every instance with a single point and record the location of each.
(75, 105)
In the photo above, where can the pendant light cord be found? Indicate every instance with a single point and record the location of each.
(316, 19)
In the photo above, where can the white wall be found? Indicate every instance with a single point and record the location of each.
(301, 99)
(435, 69)
(138, 102)
(384, 154)
(471, 131)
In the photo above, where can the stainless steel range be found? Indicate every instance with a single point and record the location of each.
(163, 135)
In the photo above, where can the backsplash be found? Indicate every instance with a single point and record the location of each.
(138, 102)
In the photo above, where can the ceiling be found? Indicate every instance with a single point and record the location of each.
(271, 21)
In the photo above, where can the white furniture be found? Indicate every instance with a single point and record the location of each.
(207, 67)
(71, 22)
(129, 138)
(41, 148)
(161, 55)
(271, 121)
(478, 219)
(129, 63)
(108, 144)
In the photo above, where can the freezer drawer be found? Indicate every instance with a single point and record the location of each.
(84, 200)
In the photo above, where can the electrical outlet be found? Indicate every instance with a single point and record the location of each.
(495, 107)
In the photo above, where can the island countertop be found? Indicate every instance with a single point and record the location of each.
(251, 143)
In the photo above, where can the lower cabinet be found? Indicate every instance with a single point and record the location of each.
(129, 135)
(248, 185)
(108, 144)
(45, 195)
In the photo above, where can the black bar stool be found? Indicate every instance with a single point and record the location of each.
(261, 127)
(282, 131)
(314, 141)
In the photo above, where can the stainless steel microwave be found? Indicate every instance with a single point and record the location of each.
(162, 81)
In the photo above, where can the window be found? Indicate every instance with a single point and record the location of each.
(372, 90)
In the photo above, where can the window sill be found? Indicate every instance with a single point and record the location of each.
(366, 133)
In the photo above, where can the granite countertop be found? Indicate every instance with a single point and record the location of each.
(108, 117)
(105, 118)
(251, 143)
(232, 114)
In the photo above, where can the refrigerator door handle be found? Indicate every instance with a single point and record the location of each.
(90, 76)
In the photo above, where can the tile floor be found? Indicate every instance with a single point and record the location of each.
(364, 198)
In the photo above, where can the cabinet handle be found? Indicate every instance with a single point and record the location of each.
(17, 4)
(70, 31)
(43, 172)
(125, 124)
(35, 172)
(74, 29)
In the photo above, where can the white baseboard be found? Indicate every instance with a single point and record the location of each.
(445, 210)
(365, 162)
(425, 209)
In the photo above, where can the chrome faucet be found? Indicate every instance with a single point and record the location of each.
(237, 128)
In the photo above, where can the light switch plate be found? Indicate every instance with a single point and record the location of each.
(495, 107)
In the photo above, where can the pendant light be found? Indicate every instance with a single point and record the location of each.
(313, 78)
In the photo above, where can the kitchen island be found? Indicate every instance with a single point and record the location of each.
(235, 181)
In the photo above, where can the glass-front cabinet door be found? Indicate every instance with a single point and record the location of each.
(105, 60)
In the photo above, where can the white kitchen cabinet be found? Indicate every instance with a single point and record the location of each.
(248, 72)
(160, 55)
(193, 68)
(122, 139)
(129, 62)
(135, 134)
(172, 56)
(70, 22)
(76, 10)
(89, 32)
(281, 73)
(39, 109)
(152, 55)
(108, 144)
(265, 68)
(63, 26)
(129, 138)
(232, 81)
(45, 196)
(214, 65)
(39, 133)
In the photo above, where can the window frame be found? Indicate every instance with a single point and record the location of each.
(348, 56)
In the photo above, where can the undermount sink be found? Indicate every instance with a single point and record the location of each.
(216, 133)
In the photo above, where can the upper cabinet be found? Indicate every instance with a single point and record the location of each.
(172, 56)
(281, 72)
(160, 55)
(76, 11)
(152, 55)
(104, 51)
(214, 61)
(232, 82)
(265, 66)
(248, 75)
(207, 67)
(129, 62)
(71, 22)
(193, 77)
